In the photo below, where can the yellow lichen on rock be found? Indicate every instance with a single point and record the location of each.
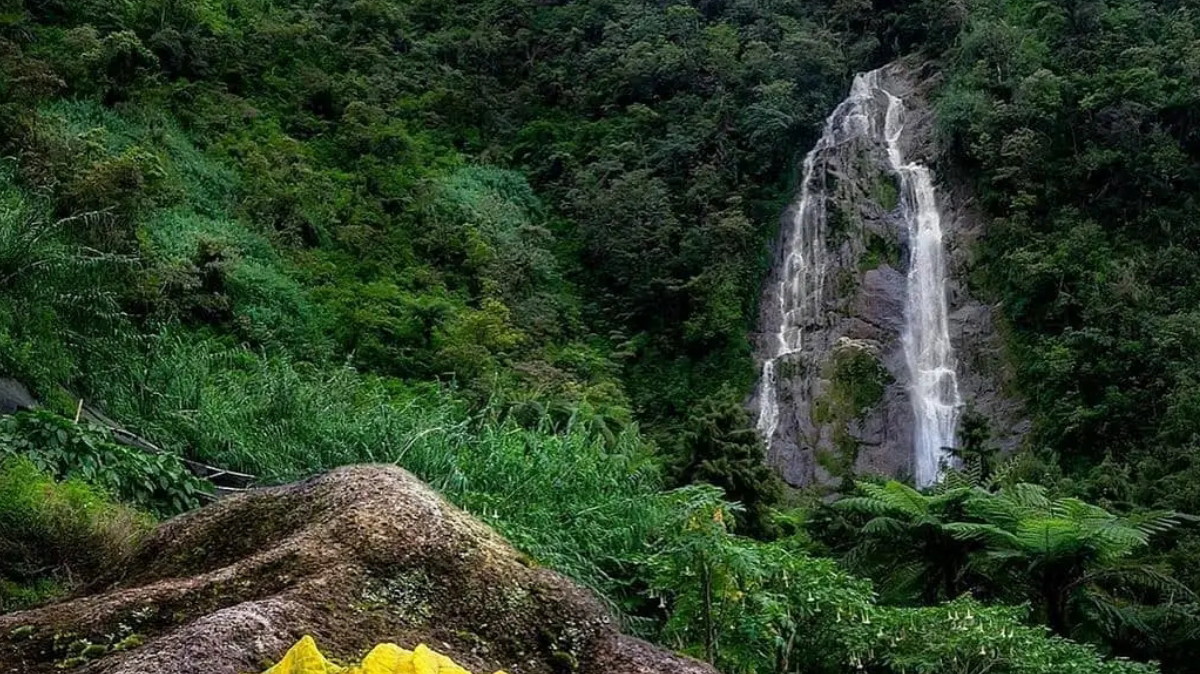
(305, 658)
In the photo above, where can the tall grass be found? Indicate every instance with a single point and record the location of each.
(572, 498)
(54, 295)
(572, 501)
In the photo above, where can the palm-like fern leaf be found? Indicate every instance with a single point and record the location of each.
(985, 533)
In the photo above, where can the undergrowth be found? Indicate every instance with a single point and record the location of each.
(53, 534)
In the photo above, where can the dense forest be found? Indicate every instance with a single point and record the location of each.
(516, 247)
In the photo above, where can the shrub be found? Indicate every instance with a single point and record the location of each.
(749, 606)
(156, 482)
(54, 534)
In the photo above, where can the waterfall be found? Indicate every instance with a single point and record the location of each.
(801, 281)
(933, 378)
(800, 289)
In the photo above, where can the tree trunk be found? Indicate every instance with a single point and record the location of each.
(710, 628)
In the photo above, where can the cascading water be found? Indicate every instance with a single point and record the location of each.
(933, 383)
(802, 277)
(929, 356)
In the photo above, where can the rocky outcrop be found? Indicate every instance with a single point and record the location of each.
(843, 395)
(14, 397)
(356, 557)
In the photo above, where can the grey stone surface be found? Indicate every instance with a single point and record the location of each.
(14, 397)
(864, 300)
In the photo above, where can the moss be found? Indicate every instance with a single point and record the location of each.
(847, 452)
(822, 411)
(858, 380)
(791, 369)
(857, 383)
(91, 651)
(879, 251)
(130, 642)
(826, 460)
(840, 461)
(839, 219)
(563, 662)
(885, 193)
(80, 651)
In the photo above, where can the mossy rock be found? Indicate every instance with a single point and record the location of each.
(879, 251)
(885, 192)
(359, 556)
(857, 381)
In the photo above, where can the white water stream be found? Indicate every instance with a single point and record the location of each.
(933, 382)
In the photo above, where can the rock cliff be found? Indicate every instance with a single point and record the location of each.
(843, 395)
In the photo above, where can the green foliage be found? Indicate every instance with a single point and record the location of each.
(1072, 560)
(1081, 156)
(54, 294)
(504, 245)
(1072, 555)
(750, 606)
(747, 606)
(906, 541)
(880, 251)
(722, 448)
(965, 637)
(885, 192)
(52, 534)
(214, 272)
(1071, 120)
(88, 453)
(974, 449)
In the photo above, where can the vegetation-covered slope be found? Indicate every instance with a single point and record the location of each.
(515, 247)
(312, 179)
(1077, 123)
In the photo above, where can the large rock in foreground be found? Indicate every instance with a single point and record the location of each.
(359, 556)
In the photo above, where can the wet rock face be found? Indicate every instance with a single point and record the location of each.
(356, 557)
(819, 439)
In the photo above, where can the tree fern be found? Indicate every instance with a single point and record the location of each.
(1073, 560)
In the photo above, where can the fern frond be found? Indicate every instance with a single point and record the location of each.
(884, 526)
(1142, 577)
(863, 505)
(986, 533)
(906, 499)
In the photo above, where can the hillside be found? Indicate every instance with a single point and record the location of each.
(526, 251)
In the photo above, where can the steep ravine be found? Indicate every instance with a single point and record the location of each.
(835, 397)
